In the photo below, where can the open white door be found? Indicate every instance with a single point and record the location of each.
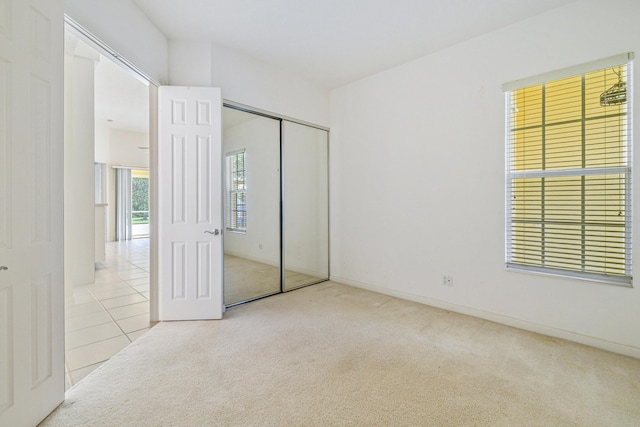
(190, 203)
(31, 210)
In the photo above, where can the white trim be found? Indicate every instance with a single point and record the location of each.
(252, 110)
(154, 313)
(508, 247)
(104, 49)
(498, 318)
(629, 196)
(140, 168)
(611, 61)
(570, 274)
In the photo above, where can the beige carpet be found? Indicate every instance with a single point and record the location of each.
(333, 355)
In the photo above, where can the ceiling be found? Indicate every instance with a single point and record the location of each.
(328, 42)
(334, 42)
(121, 98)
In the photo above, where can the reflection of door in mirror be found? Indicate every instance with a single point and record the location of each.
(305, 197)
(251, 146)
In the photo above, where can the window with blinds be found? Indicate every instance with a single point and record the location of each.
(568, 176)
(236, 192)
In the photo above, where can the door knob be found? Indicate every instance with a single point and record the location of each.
(2, 267)
(214, 232)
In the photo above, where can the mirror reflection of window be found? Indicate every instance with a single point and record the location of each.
(251, 180)
(288, 208)
(236, 192)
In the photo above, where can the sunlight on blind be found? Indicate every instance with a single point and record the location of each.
(569, 177)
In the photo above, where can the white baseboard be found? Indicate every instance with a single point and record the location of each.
(498, 318)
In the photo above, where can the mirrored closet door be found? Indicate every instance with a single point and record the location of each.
(276, 205)
(305, 209)
(251, 150)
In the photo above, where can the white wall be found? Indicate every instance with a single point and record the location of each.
(124, 28)
(101, 143)
(79, 194)
(423, 145)
(124, 148)
(190, 63)
(248, 81)
(260, 138)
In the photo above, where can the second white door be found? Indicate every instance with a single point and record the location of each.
(190, 226)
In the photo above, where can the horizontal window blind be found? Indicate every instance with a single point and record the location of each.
(568, 176)
(236, 191)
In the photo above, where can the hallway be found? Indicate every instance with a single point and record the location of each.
(103, 318)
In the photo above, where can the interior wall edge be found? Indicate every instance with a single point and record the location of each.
(103, 48)
(123, 27)
(252, 82)
(590, 341)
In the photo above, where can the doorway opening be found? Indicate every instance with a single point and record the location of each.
(107, 273)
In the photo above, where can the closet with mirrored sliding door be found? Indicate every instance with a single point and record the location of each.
(276, 236)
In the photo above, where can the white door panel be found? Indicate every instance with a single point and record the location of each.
(31, 210)
(190, 203)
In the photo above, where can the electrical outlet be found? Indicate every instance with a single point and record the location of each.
(447, 280)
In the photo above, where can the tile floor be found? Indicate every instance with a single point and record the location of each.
(103, 318)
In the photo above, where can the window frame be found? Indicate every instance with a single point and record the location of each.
(231, 193)
(511, 174)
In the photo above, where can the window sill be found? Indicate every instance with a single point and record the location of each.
(626, 282)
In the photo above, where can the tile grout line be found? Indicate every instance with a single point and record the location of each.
(120, 260)
(111, 316)
(127, 261)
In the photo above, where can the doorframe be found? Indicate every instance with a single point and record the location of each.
(128, 66)
(103, 48)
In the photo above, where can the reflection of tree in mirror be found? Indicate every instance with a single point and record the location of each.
(140, 200)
